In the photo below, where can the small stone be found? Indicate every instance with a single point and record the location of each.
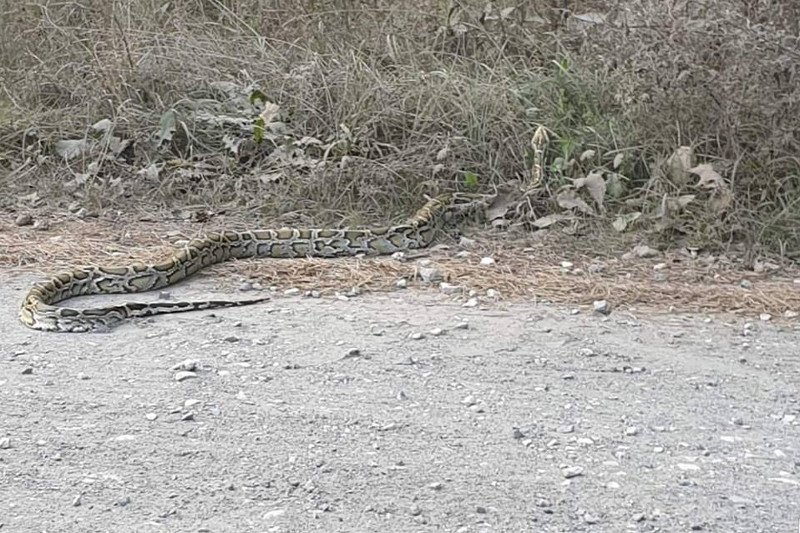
(487, 261)
(24, 219)
(612, 485)
(461, 325)
(469, 401)
(746, 284)
(492, 293)
(436, 485)
(125, 438)
(275, 513)
(632, 431)
(401, 283)
(27, 370)
(765, 317)
(566, 429)
(659, 266)
(572, 471)
(638, 517)
(590, 519)
(246, 286)
(447, 288)
(416, 336)
(5, 443)
(602, 307)
(314, 294)
(151, 416)
(790, 314)
(186, 364)
(567, 265)
(77, 501)
(587, 352)
(480, 509)
(466, 242)
(293, 291)
(644, 251)
(399, 256)
(415, 510)
(687, 467)
(352, 352)
(184, 375)
(188, 417)
(658, 449)
(41, 225)
(436, 332)
(429, 274)
(472, 302)
(190, 403)
(517, 434)
(463, 254)
(788, 419)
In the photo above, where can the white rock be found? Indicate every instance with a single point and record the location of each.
(401, 283)
(184, 375)
(429, 274)
(492, 293)
(447, 288)
(472, 302)
(602, 307)
(765, 317)
(487, 261)
(644, 251)
(293, 291)
(687, 467)
(790, 314)
(572, 471)
(186, 364)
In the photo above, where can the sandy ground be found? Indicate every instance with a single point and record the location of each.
(400, 412)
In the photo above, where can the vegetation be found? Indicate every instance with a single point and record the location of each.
(675, 117)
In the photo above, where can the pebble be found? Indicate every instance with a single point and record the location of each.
(746, 284)
(572, 471)
(24, 219)
(790, 314)
(644, 251)
(487, 261)
(188, 417)
(492, 293)
(353, 352)
(190, 403)
(436, 485)
(447, 288)
(41, 225)
(469, 401)
(416, 336)
(5, 443)
(566, 429)
(612, 485)
(659, 266)
(466, 242)
(436, 332)
(765, 317)
(415, 510)
(27, 370)
(186, 364)
(472, 302)
(480, 509)
(151, 416)
(590, 519)
(291, 291)
(602, 307)
(401, 283)
(631, 431)
(567, 265)
(687, 467)
(246, 286)
(77, 501)
(429, 274)
(462, 325)
(184, 375)
(275, 513)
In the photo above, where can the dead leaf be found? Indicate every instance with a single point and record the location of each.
(622, 222)
(678, 165)
(618, 159)
(709, 178)
(549, 220)
(270, 112)
(569, 199)
(587, 154)
(442, 154)
(596, 186)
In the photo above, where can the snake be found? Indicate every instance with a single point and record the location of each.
(38, 311)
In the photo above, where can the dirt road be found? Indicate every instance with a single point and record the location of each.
(401, 412)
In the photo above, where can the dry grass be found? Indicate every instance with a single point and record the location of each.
(404, 98)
